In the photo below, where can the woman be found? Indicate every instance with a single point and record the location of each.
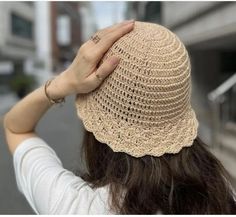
(141, 148)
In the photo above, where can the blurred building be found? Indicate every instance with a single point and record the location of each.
(38, 38)
(208, 30)
(17, 39)
(42, 65)
(41, 37)
(66, 33)
(88, 21)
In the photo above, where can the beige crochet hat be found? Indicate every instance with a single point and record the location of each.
(143, 107)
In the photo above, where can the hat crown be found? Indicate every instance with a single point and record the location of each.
(151, 85)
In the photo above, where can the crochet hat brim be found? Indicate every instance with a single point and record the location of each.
(122, 136)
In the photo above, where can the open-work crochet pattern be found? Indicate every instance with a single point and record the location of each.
(143, 107)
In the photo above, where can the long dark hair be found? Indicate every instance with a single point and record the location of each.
(190, 182)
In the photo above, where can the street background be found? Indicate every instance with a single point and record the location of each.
(39, 40)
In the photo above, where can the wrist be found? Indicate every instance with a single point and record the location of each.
(60, 87)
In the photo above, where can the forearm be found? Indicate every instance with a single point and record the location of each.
(25, 115)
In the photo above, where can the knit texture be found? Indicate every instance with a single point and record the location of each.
(143, 107)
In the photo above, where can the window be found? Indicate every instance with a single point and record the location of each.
(21, 27)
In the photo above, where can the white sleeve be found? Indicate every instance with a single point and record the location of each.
(46, 185)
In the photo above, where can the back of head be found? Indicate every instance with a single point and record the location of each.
(144, 131)
(192, 181)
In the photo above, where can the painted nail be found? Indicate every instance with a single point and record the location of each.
(115, 60)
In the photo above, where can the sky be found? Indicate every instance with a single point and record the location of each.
(109, 12)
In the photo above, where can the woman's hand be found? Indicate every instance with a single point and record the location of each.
(80, 77)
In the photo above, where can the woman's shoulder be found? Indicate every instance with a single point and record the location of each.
(49, 187)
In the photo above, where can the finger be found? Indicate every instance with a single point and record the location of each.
(102, 33)
(114, 27)
(103, 71)
(94, 54)
(107, 41)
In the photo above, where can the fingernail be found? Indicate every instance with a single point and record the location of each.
(128, 21)
(115, 60)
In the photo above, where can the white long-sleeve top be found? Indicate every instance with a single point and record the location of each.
(51, 189)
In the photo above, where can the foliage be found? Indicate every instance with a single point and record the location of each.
(22, 84)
